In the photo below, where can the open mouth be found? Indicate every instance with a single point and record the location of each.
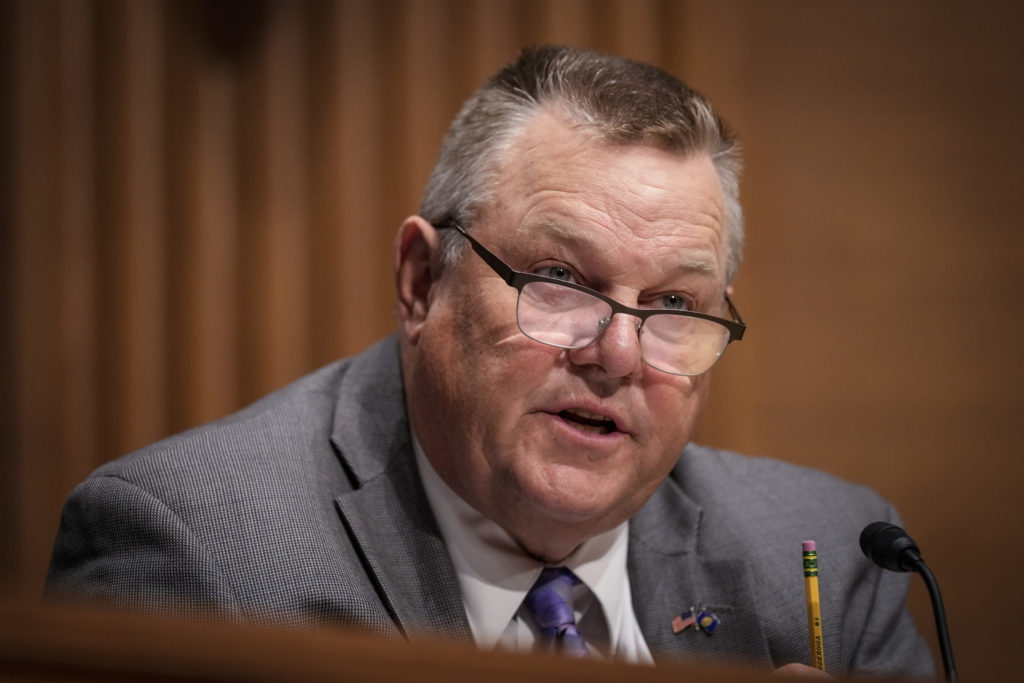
(589, 422)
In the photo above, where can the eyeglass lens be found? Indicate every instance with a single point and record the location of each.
(571, 319)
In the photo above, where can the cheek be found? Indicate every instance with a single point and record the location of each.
(475, 383)
(480, 315)
(484, 366)
(675, 407)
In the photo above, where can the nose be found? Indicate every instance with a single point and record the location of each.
(616, 350)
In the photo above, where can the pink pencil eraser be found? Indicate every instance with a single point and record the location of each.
(809, 546)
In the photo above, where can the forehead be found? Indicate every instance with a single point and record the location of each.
(562, 182)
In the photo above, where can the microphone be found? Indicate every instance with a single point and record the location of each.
(892, 548)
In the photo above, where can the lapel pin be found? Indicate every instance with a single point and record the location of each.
(701, 620)
(681, 622)
(707, 621)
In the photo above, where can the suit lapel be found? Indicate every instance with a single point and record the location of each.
(669, 576)
(392, 527)
(386, 513)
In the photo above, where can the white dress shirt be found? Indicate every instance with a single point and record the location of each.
(495, 574)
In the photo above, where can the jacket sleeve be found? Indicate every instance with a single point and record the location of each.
(120, 546)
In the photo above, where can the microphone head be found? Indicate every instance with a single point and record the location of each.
(889, 546)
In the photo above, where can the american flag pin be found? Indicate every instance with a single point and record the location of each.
(681, 622)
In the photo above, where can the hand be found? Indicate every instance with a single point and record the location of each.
(800, 670)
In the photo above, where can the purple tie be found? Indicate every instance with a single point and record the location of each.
(550, 602)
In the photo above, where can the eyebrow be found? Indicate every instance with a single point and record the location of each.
(689, 262)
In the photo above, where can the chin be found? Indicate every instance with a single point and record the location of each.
(568, 495)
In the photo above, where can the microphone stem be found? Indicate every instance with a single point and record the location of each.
(945, 647)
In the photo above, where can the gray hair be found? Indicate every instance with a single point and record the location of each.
(623, 101)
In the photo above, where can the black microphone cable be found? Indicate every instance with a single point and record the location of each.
(890, 547)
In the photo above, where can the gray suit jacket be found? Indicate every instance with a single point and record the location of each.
(307, 508)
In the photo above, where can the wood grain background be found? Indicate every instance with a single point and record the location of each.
(198, 199)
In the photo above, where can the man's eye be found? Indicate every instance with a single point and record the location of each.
(674, 302)
(556, 272)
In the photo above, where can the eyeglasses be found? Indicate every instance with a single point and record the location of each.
(570, 316)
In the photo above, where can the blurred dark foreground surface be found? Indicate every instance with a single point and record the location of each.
(58, 643)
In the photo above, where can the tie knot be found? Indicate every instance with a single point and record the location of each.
(550, 602)
(550, 599)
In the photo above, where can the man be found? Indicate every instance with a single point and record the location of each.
(523, 446)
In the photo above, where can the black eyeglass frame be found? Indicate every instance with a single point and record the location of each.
(518, 279)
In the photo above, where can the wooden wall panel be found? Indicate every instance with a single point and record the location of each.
(348, 161)
(139, 231)
(203, 208)
(199, 199)
(33, 313)
(280, 227)
(885, 268)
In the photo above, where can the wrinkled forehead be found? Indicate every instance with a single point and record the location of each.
(684, 257)
(552, 149)
(563, 182)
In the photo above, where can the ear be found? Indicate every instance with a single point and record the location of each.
(415, 245)
(724, 307)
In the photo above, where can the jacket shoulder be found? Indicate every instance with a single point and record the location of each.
(238, 514)
(301, 408)
(761, 489)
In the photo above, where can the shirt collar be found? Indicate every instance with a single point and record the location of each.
(494, 572)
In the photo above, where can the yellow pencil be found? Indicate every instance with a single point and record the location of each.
(813, 604)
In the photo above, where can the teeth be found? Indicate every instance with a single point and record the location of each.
(587, 421)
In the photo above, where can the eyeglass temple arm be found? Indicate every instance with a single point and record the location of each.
(738, 335)
(499, 266)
